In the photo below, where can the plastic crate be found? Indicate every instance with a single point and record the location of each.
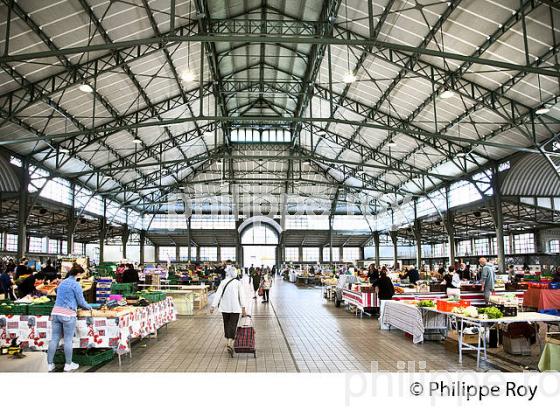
(121, 288)
(85, 357)
(13, 309)
(42, 309)
(154, 296)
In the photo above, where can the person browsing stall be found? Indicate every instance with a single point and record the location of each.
(69, 296)
(487, 278)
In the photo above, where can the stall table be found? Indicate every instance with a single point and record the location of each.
(484, 325)
(361, 300)
(413, 320)
(200, 294)
(475, 298)
(93, 330)
(542, 299)
(183, 300)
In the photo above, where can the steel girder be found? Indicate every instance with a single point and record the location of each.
(248, 38)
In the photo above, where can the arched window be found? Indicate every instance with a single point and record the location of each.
(259, 235)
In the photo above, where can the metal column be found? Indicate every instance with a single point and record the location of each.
(376, 244)
(499, 222)
(22, 210)
(394, 239)
(417, 230)
(142, 246)
(448, 222)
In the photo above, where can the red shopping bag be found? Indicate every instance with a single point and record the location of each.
(261, 292)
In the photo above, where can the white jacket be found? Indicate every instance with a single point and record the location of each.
(233, 299)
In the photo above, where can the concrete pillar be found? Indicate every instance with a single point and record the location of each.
(321, 254)
(394, 239)
(4, 241)
(499, 222)
(218, 253)
(197, 253)
(361, 253)
(22, 245)
(142, 246)
(177, 253)
(300, 253)
(376, 245)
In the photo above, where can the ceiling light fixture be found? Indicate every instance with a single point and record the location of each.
(187, 76)
(85, 88)
(137, 141)
(349, 78)
(447, 94)
(542, 110)
(391, 143)
(63, 149)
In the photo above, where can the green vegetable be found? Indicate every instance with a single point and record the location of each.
(426, 303)
(492, 312)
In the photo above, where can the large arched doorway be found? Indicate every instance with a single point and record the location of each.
(260, 242)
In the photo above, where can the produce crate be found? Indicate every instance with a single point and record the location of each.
(11, 308)
(85, 357)
(40, 309)
(121, 288)
(154, 296)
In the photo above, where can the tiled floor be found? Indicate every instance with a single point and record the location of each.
(298, 331)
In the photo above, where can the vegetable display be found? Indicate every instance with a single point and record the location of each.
(491, 312)
(426, 303)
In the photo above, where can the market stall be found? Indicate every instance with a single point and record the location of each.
(113, 328)
(542, 299)
(363, 299)
(475, 298)
(482, 323)
(409, 318)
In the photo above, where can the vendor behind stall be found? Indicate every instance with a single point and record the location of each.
(452, 279)
(556, 275)
(373, 274)
(130, 275)
(49, 272)
(385, 287)
(27, 285)
(22, 269)
(412, 275)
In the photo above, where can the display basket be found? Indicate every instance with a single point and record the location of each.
(11, 308)
(42, 309)
(122, 288)
(154, 296)
(86, 357)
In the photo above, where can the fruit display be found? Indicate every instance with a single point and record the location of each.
(399, 290)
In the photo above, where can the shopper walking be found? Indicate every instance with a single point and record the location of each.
(230, 300)
(266, 284)
(257, 276)
(69, 297)
(487, 278)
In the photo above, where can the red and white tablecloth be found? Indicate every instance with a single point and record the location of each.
(360, 299)
(34, 332)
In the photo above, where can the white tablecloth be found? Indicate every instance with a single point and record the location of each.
(410, 319)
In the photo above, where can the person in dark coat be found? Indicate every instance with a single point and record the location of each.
(22, 269)
(6, 284)
(412, 275)
(256, 278)
(385, 288)
(373, 274)
(49, 272)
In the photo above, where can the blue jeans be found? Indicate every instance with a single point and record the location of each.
(61, 325)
